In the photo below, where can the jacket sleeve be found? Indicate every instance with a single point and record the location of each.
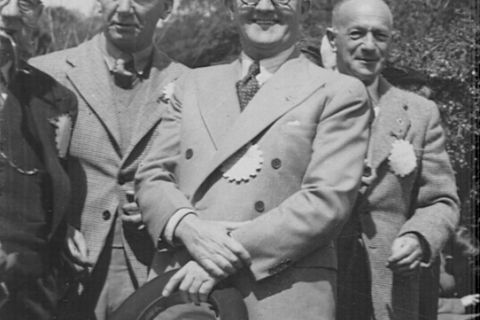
(312, 217)
(156, 190)
(436, 212)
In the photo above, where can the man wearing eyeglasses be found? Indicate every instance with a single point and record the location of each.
(36, 117)
(120, 78)
(271, 142)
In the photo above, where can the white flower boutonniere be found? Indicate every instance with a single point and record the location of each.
(402, 158)
(243, 166)
(63, 133)
(167, 92)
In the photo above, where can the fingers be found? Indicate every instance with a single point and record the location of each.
(407, 270)
(131, 208)
(132, 219)
(174, 282)
(205, 290)
(239, 251)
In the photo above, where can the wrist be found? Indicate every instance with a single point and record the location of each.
(185, 227)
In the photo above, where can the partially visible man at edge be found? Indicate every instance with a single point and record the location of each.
(280, 149)
(36, 118)
(408, 207)
(120, 79)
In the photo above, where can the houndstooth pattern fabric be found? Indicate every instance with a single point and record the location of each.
(248, 86)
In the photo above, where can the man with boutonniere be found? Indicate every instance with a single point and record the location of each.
(408, 205)
(253, 184)
(36, 119)
(121, 79)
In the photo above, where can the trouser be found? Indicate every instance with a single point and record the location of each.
(354, 299)
(110, 283)
(32, 298)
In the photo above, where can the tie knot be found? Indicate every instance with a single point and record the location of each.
(254, 69)
(124, 73)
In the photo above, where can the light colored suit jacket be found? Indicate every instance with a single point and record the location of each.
(310, 126)
(424, 202)
(104, 173)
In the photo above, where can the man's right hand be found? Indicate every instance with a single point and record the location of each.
(77, 250)
(210, 244)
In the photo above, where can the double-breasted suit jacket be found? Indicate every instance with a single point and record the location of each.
(290, 163)
(35, 130)
(423, 202)
(107, 170)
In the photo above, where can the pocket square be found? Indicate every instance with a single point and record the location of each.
(294, 123)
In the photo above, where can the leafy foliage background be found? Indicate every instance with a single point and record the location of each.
(436, 50)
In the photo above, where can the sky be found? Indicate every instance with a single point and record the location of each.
(84, 6)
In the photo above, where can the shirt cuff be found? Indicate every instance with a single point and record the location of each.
(172, 224)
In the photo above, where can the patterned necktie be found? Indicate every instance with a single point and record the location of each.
(124, 74)
(248, 86)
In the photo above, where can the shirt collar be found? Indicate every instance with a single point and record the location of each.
(111, 53)
(267, 66)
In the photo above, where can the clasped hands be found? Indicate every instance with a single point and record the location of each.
(216, 256)
(407, 254)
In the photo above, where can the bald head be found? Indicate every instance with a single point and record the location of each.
(360, 37)
(344, 9)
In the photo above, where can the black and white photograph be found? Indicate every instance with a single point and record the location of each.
(239, 159)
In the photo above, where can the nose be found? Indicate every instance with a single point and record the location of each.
(124, 6)
(369, 42)
(266, 5)
(10, 9)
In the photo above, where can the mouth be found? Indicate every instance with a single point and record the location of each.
(265, 22)
(124, 25)
(368, 60)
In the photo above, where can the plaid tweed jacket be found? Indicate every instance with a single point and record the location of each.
(104, 173)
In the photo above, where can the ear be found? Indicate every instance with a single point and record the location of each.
(331, 34)
(167, 8)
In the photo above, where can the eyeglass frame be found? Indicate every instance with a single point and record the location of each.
(275, 2)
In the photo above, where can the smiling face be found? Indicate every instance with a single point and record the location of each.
(267, 29)
(361, 38)
(131, 23)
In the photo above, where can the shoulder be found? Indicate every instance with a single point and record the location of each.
(58, 62)
(335, 83)
(34, 83)
(418, 107)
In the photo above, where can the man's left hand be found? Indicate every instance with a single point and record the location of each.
(407, 254)
(193, 282)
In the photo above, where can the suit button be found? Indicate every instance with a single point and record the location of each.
(276, 163)
(260, 206)
(106, 215)
(189, 154)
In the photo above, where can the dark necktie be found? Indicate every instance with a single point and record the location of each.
(248, 86)
(124, 74)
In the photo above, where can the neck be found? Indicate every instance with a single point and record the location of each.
(372, 89)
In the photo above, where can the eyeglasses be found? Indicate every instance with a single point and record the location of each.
(275, 2)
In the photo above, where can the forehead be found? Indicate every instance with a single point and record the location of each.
(355, 14)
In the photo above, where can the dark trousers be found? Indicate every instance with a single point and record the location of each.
(354, 301)
(32, 298)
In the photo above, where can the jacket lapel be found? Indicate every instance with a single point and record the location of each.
(220, 107)
(90, 77)
(291, 84)
(391, 124)
(149, 101)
